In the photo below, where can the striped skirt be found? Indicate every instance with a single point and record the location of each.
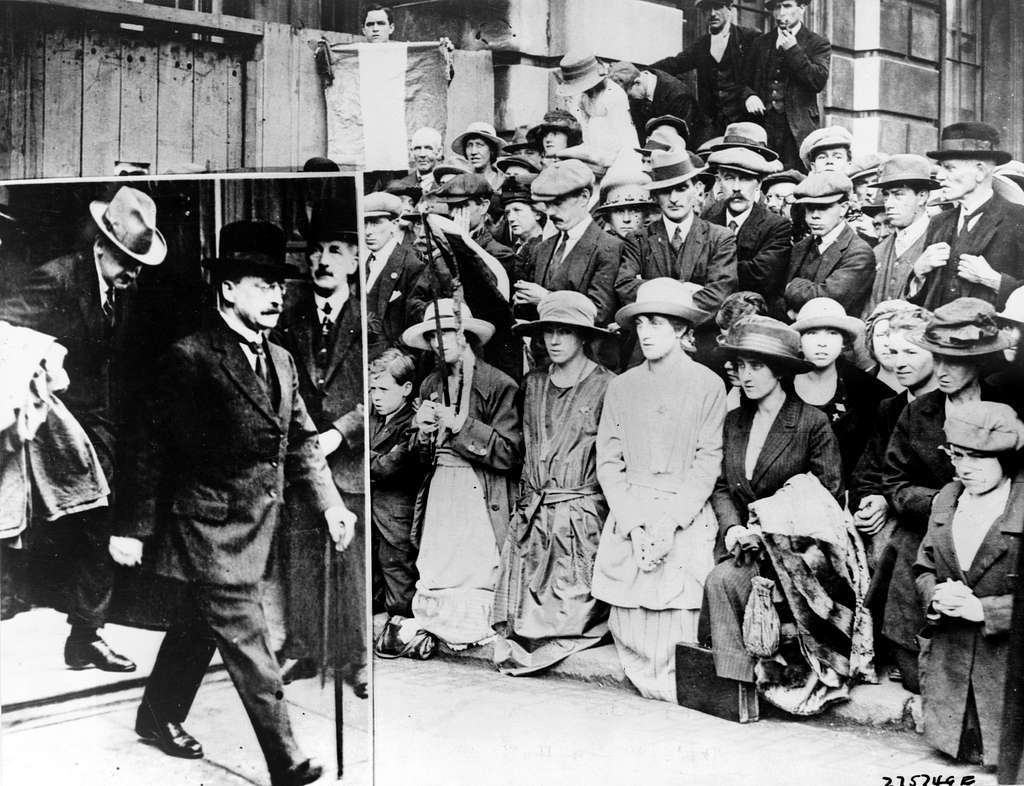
(646, 644)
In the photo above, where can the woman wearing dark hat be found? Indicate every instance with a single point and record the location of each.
(524, 219)
(627, 204)
(966, 576)
(963, 337)
(735, 307)
(659, 452)
(543, 609)
(769, 438)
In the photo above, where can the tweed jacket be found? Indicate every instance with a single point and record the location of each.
(211, 459)
(844, 272)
(762, 249)
(394, 301)
(394, 475)
(892, 273)
(707, 257)
(805, 70)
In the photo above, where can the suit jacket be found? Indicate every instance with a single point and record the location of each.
(394, 301)
(998, 235)
(723, 104)
(707, 257)
(211, 459)
(394, 475)
(762, 249)
(670, 98)
(800, 440)
(804, 69)
(867, 475)
(331, 395)
(892, 273)
(845, 272)
(590, 267)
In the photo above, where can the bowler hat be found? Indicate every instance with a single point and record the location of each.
(767, 338)
(556, 120)
(667, 296)
(381, 204)
(517, 189)
(331, 220)
(745, 134)
(463, 188)
(671, 167)
(680, 125)
(561, 178)
(965, 327)
(415, 336)
(129, 222)
(480, 130)
(824, 312)
(985, 426)
(970, 140)
(578, 72)
(823, 188)
(564, 307)
(254, 248)
(906, 169)
(822, 139)
(743, 159)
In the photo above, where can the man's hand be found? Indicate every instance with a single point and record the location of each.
(936, 255)
(461, 219)
(330, 441)
(341, 524)
(125, 551)
(755, 105)
(786, 39)
(871, 515)
(975, 269)
(528, 293)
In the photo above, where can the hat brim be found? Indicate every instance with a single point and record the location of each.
(793, 364)
(916, 184)
(502, 165)
(581, 85)
(157, 249)
(625, 315)
(919, 339)
(849, 326)
(379, 214)
(767, 152)
(664, 185)
(831, 199)
(459, 144)
(539, 324)
(999, 156)
(536, 134)
(281, 270)
(606, 208)
(416, 335)
(713, 168)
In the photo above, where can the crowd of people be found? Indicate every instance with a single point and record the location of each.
(669, 369)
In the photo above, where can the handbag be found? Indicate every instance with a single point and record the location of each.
(761, 619)
(699, 687)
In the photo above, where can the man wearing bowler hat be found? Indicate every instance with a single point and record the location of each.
(226, 431)
(974, 250)
(785, 70)
(718, 58)
(86, 301)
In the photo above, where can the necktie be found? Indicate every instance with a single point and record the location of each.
(677, 239)
(370, 260)
(323, 338)
(967, 220)
(108, 307)
(563, 239)
(261, 363)
(733, 226)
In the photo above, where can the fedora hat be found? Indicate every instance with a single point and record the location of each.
(672, 167)
(577, 73)
(662, 138)
(824, 312)
(416, 335)
(970, 140)
(252, 248)
(705, 148)
(743, 159)
(129, 222)
(906, 169)
(965, 327)
(564, 307)
(766, 338)
(746, 135)
(481, 130)
(556, 120)
(332, 219)
(681, 126)
(866, 167)
(667, 296)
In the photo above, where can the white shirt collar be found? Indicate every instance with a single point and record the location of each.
(909, 235)
(724, 32)
(247, 334)
(740, 219)
(574, 233)
(684, 226)
(385, 252)
(831, 236)
(104, 286)
(337, 301)
(380, 258)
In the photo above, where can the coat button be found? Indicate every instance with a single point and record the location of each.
(494, 507)
(273, 464)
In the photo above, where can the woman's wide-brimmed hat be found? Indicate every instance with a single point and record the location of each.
(667, 296)
(416, 335)
(965, 327)
(672, 167)
(985, 426)
(556, 120)
(768, 339)
(625, 195)
(577, 73)
(824, 312)
(129, 222)
(481, 130)
(564, 307)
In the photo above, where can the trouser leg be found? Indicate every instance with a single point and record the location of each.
(92, 572)
(398, 576)
(727, 589)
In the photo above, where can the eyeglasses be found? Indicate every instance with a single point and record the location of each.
(269, 286)
(957, 454)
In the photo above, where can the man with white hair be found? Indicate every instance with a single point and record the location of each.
(426, 149)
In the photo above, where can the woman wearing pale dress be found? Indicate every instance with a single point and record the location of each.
(659, 452)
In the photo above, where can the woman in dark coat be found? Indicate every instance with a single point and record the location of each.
(966, 573)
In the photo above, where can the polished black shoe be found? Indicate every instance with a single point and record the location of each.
(169, 737)
(298, 669)
(304, 772)
(81, 654)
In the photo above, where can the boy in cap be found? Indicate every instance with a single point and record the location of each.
(828, 149)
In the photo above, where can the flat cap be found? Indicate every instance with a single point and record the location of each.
(986, 426)
(561, 178)
(381, 203)
(823, 188)
(822, 138)
(464, 187)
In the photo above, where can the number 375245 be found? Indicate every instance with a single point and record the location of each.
(928, 780)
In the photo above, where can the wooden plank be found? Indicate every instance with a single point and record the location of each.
(278, 108)
(254, 74)
(62, 134)
(21, 45)
(9, 87)
(138, 128)
(209, 108)
(101, 101)
(311, 111)
(35, 115)
(235, 119)
(174, 118)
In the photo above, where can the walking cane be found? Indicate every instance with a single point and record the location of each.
(330, 565)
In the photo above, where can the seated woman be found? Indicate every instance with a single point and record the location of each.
(471, 446)
(772, 437)
(543, 609)
(848, 396)
(966, 575)
(659, 451)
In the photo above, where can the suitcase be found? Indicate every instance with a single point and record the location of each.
(700, 688)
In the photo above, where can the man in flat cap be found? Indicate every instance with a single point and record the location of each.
(777, 189)
(718, 57)
(86, 301)
(833, 261)
(784, 71)
(226, 431)
(974, 250)
(653, 93)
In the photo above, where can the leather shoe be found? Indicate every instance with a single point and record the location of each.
(169, 737)
(298, 669)
(304, 772)
(81, 654)
(356, 677)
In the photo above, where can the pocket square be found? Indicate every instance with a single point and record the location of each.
(394, 296)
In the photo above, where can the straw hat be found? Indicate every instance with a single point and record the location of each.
(564, 307)
(767, 338)
(416, 335)
(824, 312)
(667, 296)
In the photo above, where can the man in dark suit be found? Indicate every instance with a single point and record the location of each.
(86, 301)
(652, 94)
(974, 250)
(718, 58)
(393, 269)
(226, 430)
(784, 71)
(762, 238)
(323, 332)
(833, 261)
